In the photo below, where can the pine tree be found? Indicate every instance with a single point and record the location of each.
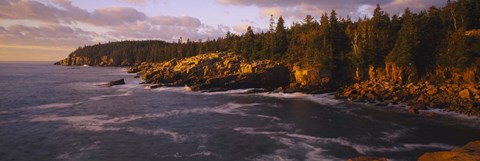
(248, 43)
(280, 43)
(403, 51)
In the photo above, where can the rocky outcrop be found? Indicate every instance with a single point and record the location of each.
(215, 71)
(308, 79)
(451, 96)
(74, 60)
(469, 152)
(117, 82)
(113, 83)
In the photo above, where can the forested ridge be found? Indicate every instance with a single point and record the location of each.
(446, 38)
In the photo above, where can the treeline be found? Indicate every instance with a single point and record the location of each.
(444, 37)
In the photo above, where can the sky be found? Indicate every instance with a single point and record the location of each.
(49, 30)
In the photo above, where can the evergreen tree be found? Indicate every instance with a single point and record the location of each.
(248, 43)
(403, 51)
(280, 42)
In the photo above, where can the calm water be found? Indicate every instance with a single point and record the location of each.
(58, 113)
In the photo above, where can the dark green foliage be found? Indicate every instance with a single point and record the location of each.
(406, 43)
(248, 44)
(280, 43)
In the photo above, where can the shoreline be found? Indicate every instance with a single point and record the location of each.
(399, 108)
(224, 71)
(449, 96)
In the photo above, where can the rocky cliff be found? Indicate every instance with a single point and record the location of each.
(74, 60)
(469, 152)
(216, 71)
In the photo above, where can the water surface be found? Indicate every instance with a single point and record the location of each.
(58, 113)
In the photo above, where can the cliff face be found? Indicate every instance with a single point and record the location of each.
(74, 60)
(215, 71)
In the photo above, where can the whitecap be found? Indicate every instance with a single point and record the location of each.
(174, 89)
(297, 141)
(365, 149)
(64, 156)
(453, 114)
(98, 84)
(203, 153)
(175, 136)
(323, 99)
(430, 145)
(97, 98)
(53, 105)
(100, 123)
(234, 91)
(293, 144)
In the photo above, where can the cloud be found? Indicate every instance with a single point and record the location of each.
(145, 30)
(242, 28)
(22, 9)
(289, 3)
(296, 10)
(48, 34)
(115, 16)
(398, 6)
(66, 12)
(135, 1)
(60, 23)
(182, 21)
(275, 11)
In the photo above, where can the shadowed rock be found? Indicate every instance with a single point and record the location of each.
(469, 152)
(215, 72)
(114, 83)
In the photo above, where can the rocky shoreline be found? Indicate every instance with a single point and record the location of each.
(458, 97)
(227, 71)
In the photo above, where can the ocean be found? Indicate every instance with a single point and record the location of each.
(52, 112)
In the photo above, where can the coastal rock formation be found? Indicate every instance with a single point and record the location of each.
(469, 152)
(117, 82)
(215, 71)
(450, 96)
(113, 83)
(74, 60)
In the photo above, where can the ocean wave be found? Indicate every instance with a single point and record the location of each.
(203, 153)
(293, 144)
(452, 114)
(99, 123)
(312, 145)
(53, 105)
(175, 89)
(365, 149)
(323, 99)
(175, 136)
(234, 91)
(97, 98)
